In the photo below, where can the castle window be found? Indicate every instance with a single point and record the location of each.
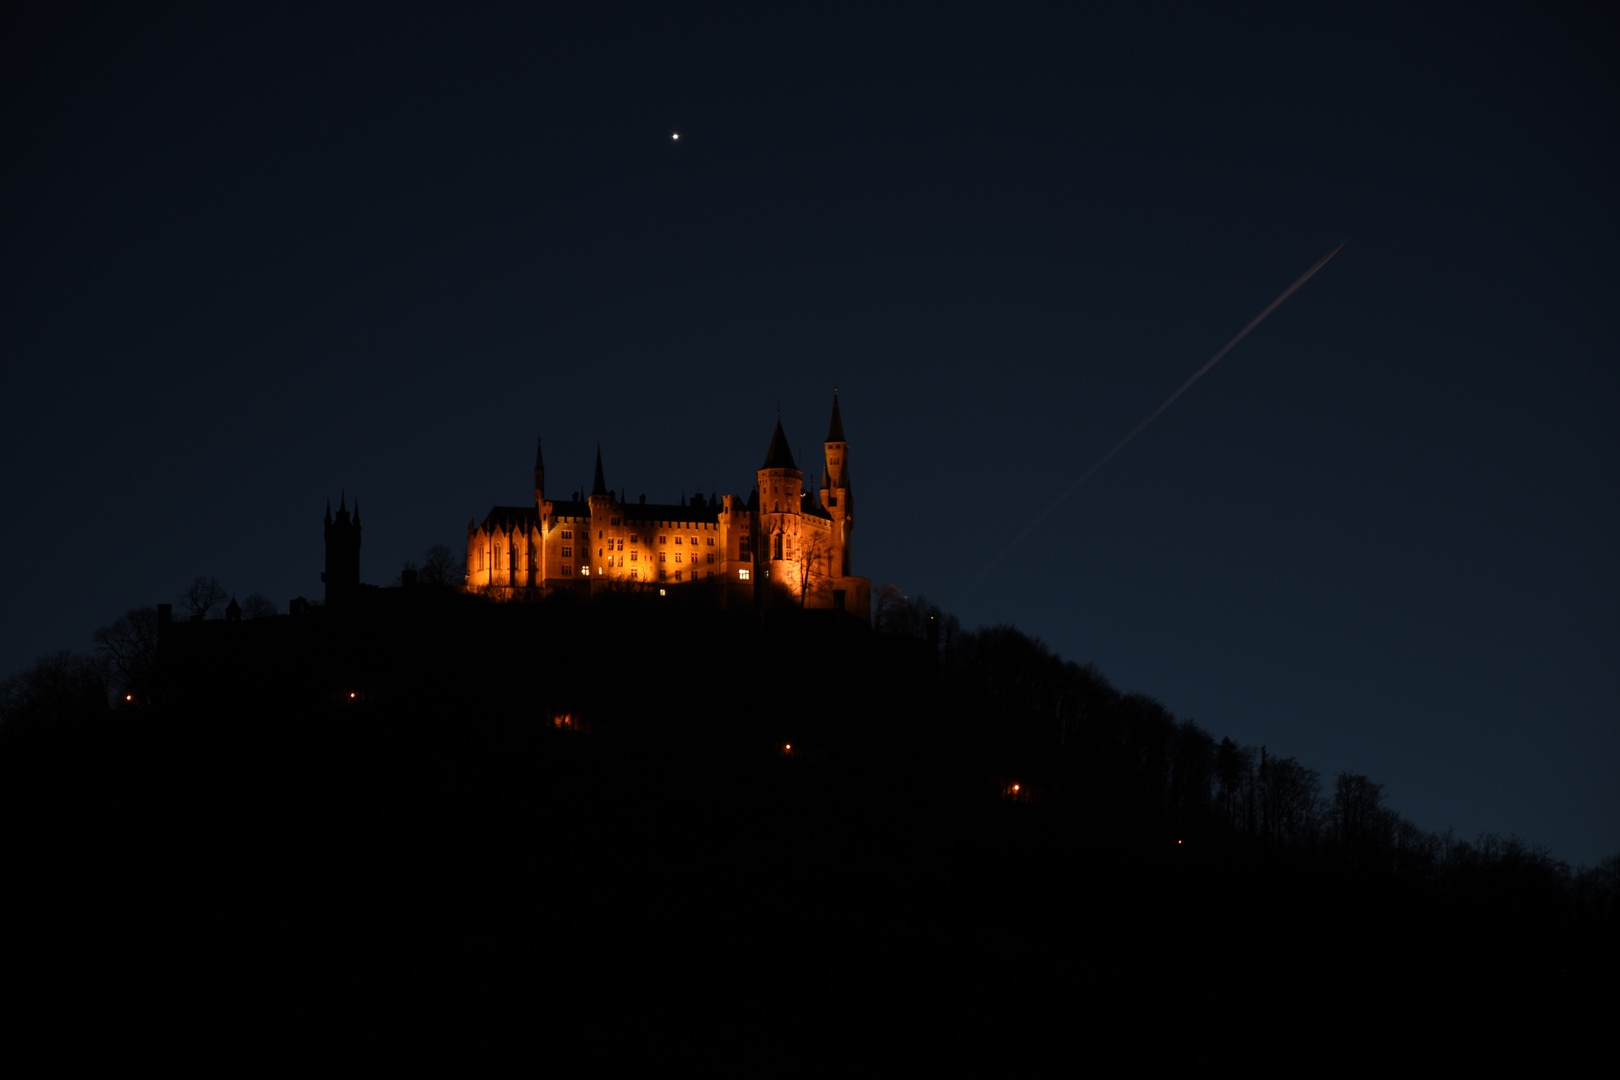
(662, 556)
(711, 541)
(778, 545)
(677, 575)
(621, 545)
(662, 573)
(613, 521)
(677, 539)
(632, 538)
(677, 556)
(633, 556)
(694, 541)
(634, 574)
(568, 553)
(742, 575)
(711, 556)
(599, 534)
(568, 571)
(568, 534)
(661, 539)
(832, 500)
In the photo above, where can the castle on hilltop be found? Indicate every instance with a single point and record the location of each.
(781, 534)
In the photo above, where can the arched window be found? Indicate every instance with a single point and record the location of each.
(778, 546)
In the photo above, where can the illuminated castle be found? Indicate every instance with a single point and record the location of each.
(780, 534)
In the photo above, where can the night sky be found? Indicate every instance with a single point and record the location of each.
(255, 259)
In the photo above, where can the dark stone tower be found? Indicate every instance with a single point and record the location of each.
(342, 574)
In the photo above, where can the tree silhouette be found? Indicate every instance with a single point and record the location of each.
(202, 597)
(442, 566)
(258, 606)
(129, 643)
(62, 686)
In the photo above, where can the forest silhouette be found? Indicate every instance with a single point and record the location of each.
(424, 803)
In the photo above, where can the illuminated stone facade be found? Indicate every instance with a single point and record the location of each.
(780, 533)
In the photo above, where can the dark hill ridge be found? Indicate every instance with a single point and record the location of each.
(257, 848)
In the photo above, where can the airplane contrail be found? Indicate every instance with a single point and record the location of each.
(1286, 293)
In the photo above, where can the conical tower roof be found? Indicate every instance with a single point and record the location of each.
(835, 430)
(599, 486)
(779, 456)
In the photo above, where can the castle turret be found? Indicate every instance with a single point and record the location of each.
(603, 510)
(836, 493)
(781, 497)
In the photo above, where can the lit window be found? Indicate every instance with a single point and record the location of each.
(742, 575)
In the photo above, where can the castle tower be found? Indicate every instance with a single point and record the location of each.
(836, 494)
(342, 574)
(602, 506)
(781, 495)
(537, 562)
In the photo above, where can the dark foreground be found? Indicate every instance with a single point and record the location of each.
(384, 884)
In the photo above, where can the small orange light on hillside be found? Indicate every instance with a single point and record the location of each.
(351, 695)
(789, 746)
(1015, 787)
(129, 697)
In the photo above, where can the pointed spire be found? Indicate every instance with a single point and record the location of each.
(778, 456)
(835, 430)
(599, 487)
(343, 502)
(539, 454)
